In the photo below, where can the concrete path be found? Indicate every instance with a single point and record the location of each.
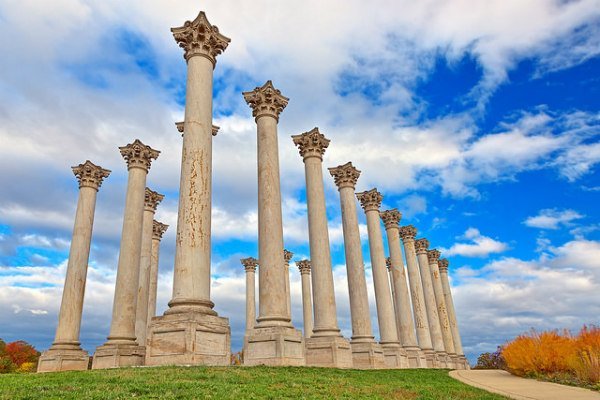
(501, 382)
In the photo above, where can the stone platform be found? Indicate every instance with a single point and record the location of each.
(275, 346)
(63, 358)
(115, 355)
(367, 355)
(328, 351)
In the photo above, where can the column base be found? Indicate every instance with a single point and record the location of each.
(63, 358)
(367, 355)
(395, 355)
(191, 338)
(463, 362)
(115, 355)
(275, 346)
(430, 358)
(444, 360)
(328, 351)
(416, 357)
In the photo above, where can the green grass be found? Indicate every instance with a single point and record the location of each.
(238, 383)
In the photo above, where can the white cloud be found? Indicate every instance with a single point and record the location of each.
(480, 246)
(552, 218)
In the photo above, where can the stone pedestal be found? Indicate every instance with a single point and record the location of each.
(326, 347)
(367, 355)
(273, 340)
(190, 315)
(66, 353)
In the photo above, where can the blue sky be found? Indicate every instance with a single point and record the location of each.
(480, 123)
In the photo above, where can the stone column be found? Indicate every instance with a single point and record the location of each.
(433, 317)
(404, 320)
(456, 339)
(203, 337)
(122, 349)
(273, 341)
(395, 355)
(326, 347)
(151, 201)
(66, 353)
(287, 256)
(158, 229)
(366, 352)
(250, 265)
(433, 256)
(408, 233)
(307, 308)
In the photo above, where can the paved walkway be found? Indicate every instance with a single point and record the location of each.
(501, 382)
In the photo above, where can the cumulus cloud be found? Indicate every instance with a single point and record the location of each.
(479, 246)
(552, 218)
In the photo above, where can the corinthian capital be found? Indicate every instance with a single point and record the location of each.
(443, 264)
(266, 100)
(287, 256)
(433, 256)
(152, 199)
(370, 200)
(180, 127)
(158, 229)
(303, 266)
(408, 232)
(421, 245)
(90, 175)
(345, 175)
(249, 264)
(391, 218)
(311, 144)
(200, 38)
(138, 155)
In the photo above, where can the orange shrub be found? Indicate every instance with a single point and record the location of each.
(586, 363)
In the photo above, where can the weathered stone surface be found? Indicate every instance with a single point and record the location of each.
(307, 308)
(328, 351)
(275, 346)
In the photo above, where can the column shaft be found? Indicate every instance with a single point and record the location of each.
(430, 303)
(250, 299)
(451, 312)
(433, 256)
(141, 315)
(153, 284)
(307, 308)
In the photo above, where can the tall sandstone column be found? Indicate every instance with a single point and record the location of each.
(66, 353)
(190, 332)
(408, 233)
(366, 352)
(273, 341)
(122, 349)
(433, 256)
(404, 320)
(421, 246)
(326, 347)
(307, 308)
(287, 256)
(151, 201)
(158, 229)
(443, 265)
(250, 265)
(395, 355)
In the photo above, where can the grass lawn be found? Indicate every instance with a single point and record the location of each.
(238, 383)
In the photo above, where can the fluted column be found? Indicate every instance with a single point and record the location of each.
(433, 257)
(122, 349)
(66, 353)
(307, 308)
(202, 43)
(421, 246)
(370, 202)
(287, 256)
(366, 353)
(408, 233)
(151, 201)
(158, 229)
(250, 265)
(312, 146)
(267, 103)
(456, 339)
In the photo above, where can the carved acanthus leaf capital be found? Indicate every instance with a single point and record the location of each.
(388, 262)
(311, 144)
(90, 175)
(158, 229)
(266, 100)
(408, 232)
(370, 200)
(345, 175)
(391, 218)
(249, 264)
(138, 155)
(287, 256)
(180, 128)
(421, 245)
(303, 266)
(433, 256)
(152, 199)
(443, 264)
(200, 38)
